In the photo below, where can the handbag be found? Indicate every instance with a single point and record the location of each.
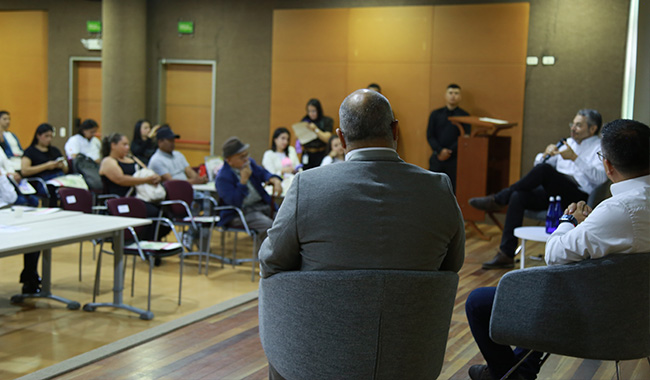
(89, 169)
(147, 192)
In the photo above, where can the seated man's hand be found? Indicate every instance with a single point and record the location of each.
(551, 150)
(568, 153)
(579, 210)
(245, 173)
(277, 186)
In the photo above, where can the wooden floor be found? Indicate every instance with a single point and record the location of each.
(225, 346)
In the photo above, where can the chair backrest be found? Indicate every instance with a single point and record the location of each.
(212, 166)
(365, 324)
(129, 207)
(594, 309)
(179, 190)
(74, 199)
(599, 194)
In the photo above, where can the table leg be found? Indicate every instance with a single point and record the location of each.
(46, 291)
(118, 282)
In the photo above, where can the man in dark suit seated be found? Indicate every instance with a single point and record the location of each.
(620, 225)
(240, 183)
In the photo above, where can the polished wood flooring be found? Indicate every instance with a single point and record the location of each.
(225, 346)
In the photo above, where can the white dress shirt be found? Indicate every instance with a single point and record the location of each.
(587, 169)
(78, 144)
(620, 224)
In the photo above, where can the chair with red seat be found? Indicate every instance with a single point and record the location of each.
(135, 245)
(73, 199)
(180, 195)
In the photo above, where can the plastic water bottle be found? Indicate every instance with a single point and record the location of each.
(550, 216)
(558, 212)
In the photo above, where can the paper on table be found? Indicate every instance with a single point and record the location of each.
(303, 133)
(491, 120)
(4, 229)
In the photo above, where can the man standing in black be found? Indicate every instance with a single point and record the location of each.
(443, 135)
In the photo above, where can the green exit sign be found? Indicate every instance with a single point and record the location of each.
(186, 27)
(94, 26)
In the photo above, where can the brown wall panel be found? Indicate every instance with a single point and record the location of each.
(23, 71)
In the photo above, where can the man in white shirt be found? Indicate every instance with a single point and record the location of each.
(618, 225)
(570, 169)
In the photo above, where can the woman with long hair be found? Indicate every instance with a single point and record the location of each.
(323, 126)
(84, 141)
(143, 145)
(282, 158)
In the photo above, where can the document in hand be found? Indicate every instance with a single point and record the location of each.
(303, 133)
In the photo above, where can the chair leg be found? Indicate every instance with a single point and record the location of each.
(133, 277)
(150, 272)
(98, 271)
(223, 248)
(618, 371)
(254, 257)
(234, 250)
(81, 245)
(516, 365)
(180, 281)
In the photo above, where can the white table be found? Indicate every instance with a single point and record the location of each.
(536, 233)
(74, 227)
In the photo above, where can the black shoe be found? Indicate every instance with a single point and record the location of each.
(157, 261)
(487, 203)
(500, 261)
(31, 287)
(480, 372)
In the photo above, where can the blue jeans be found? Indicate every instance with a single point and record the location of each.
(499, 358)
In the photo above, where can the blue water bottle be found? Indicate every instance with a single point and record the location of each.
(558, 212)
(550, 216)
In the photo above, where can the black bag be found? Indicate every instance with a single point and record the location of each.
(89, 169)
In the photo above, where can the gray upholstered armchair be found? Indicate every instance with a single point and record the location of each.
(593, 309)
(356, 324)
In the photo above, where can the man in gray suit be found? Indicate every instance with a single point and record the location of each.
(373, 211)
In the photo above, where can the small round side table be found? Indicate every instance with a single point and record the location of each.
(536, 233)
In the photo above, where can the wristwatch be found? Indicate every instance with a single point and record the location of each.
(570, 219)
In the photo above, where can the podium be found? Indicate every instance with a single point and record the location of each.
(483, 164)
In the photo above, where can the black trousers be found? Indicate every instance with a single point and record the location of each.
(30, 267)
(532, 193)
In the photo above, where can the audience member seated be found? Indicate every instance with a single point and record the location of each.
(84, 142)
(572, 172)
(10, 143)
(169, 163)
(314, 151)
(335, 152)
(618, 225)
(43, 160)
(282, 159)
(117, 170)
(29, 276)
(240, 183)
(143, 145)
(404, 217)
(7, 169)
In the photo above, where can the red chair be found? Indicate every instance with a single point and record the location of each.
(147, 250)
(73, 199)
(180, 195)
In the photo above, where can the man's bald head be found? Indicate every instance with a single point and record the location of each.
(366, 115)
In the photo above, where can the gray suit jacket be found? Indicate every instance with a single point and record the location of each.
(373, 211)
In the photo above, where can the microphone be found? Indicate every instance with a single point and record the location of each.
(558, 145)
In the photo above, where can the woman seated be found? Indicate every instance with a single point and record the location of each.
(323, 126)
(84, 142)
(281, 159)
(117, 169)
(336, 152)
(43, 160)
(143, 145)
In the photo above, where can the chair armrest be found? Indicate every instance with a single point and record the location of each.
(574, 309)
(170, 224)
(241, 216)
(170, 202)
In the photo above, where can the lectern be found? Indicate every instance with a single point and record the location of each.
(483, 164)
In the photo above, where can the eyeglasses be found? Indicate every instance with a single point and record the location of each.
(600, 156)
(572, 124)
